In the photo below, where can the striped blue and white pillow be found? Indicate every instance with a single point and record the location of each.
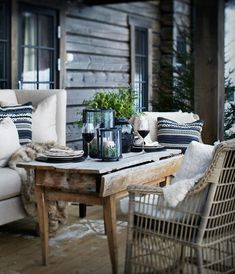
(174, 135)
(22, 118)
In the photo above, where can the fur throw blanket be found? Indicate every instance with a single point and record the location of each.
(57, 211)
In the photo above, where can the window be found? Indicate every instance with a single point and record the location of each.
(141, 60)
(230, 50)
(4, 46)
(141, 68)
(37, 48)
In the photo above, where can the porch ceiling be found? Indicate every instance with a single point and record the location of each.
(102, 2)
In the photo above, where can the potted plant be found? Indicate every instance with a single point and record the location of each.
(122, 101)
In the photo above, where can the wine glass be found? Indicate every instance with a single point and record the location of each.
(88, 134)
(143, 130)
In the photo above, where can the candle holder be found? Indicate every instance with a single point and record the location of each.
(100, 118)
(109, 143)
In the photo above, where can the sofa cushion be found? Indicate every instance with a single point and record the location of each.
(9, 140)
(37, 96)
(196, 160)
(178, 116)
(10, 183)
(178, 135)
(22, 118)
(8, 97)
(44, 121)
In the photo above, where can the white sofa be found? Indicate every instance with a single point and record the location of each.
(11, 208)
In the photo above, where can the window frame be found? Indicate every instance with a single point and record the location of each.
(39, 10)
(7, 41)
(139, 23)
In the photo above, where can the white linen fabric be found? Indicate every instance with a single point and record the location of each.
(9, 140)
(8, 97)
(194, 164)
(44, 121)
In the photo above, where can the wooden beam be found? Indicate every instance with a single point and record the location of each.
(103, 2)
(209, 67)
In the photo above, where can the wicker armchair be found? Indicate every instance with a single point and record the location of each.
(197, 236)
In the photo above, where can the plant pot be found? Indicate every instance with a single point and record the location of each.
(127, 133)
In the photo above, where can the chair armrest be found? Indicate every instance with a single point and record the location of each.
(140, 189)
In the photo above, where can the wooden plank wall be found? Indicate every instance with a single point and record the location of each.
(98, 52)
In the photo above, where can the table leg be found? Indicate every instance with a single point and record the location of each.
(82, 210)
(111, 230)
(43, 221)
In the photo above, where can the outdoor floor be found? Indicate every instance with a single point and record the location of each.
(80, 247)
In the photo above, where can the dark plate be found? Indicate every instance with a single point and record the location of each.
(147, 148)
(60, 160)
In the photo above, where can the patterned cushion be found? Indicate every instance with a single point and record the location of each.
(174, 135)
(22, 118)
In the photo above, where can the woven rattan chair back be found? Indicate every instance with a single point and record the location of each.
(197, 236)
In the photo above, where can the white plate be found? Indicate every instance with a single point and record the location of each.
(63, 153)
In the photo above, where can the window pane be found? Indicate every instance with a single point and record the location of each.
(29, 29)
(29, 86)
(137, 69)
(45, 32)
(4, 45)
(141, 68)
(44, 86)
(230, 46)
(137, 42)
(144, 72)
(44, 65)
(3, 85)
(2, 60)
(29, 65)
(141, 41)
(144, 45)
(2, 21)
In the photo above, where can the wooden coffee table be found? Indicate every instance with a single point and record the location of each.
(98, 183)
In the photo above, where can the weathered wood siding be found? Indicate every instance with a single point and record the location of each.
(98, 52)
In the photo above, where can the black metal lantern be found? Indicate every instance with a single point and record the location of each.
(101, 118)
(110, 144)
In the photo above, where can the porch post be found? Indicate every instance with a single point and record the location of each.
(209, 67)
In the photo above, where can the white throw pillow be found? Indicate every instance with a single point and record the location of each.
(9, 140)
(44, 121)
(194, 164)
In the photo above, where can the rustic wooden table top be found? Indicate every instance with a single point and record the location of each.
(97, 166)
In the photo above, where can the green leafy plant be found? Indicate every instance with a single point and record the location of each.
(121, 101)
